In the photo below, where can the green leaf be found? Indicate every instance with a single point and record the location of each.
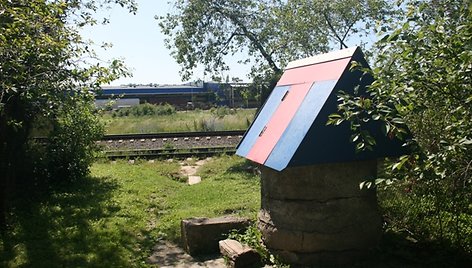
(398, 165)
(398, 120)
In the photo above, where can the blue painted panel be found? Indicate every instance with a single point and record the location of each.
(301, 123)
(261, 120)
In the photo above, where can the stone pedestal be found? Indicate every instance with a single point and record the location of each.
(318, 215)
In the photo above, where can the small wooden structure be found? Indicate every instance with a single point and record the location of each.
(313, 211)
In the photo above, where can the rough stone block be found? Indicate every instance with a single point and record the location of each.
(201, 235)
(315, 214)
(314, 242)
(239, 255)
(337, 215)
(318, 182)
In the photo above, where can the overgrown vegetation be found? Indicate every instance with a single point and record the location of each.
(221, 118)
(44, 79)
(114, 217)
(253, 238)
(145, 109)
(424, 86)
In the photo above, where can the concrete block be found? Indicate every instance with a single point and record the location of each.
(201, 235)
(239, 255)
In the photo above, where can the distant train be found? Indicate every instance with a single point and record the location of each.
(187, 96)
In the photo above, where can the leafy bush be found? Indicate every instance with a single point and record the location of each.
(71, 148)
(146, 109)
(412, 209)
(253, 238)
(423, 86)
(222, 111)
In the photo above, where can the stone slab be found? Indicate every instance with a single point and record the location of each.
(239, 255)
(201, 235)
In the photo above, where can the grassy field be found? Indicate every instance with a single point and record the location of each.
(181, 121)
(114, 217)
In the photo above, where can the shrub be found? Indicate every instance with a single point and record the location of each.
(146, 109)
(72, 148)
(222, 111)
(253, 238)
(423, 86)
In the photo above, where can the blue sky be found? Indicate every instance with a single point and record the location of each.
(138, 41)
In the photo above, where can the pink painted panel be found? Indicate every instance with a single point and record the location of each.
(331, 70)
(277, 124)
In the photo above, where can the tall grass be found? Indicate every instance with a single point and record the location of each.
(181, 121)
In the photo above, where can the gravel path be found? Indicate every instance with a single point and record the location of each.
(171, 143)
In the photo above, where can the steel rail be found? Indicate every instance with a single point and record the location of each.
(168, 153)
(174, 135)
(164, 135)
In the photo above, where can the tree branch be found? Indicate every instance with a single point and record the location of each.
(251, 36)
(341, 40)
(226, 44)
(348, 30)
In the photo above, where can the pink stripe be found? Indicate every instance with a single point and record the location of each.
(331, 70)
(278, 123)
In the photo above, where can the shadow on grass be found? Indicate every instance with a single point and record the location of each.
(398, 250)
(245, 169)
(56, 228)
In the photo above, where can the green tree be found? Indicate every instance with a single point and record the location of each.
(270, 33)
(423, 85)
(43, 80)
(332, 23)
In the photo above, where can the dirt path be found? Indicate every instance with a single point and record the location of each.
(167, 255)
(189, 170)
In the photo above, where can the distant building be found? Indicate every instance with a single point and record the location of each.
(193, 95)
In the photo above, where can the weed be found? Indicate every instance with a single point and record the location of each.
(253, 238)
(145, 109)
(168, 145)
(197, 120)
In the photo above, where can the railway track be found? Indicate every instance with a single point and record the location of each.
(175, 135)
(170, 153)
(166, 145)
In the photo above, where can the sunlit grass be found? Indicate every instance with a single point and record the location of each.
(114, 217)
